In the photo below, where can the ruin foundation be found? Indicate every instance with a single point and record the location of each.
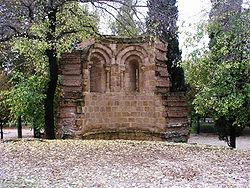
(117, 88)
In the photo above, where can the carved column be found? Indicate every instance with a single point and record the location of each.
(107, 69)
(142, 82)
(89, 66)
(122, 77)
(113, 73)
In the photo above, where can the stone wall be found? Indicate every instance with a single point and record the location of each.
(119, 88)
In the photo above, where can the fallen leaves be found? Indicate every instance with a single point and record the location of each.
(98, 163)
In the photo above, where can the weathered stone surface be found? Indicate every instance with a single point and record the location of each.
(120, 89)
(176, 137)
(72, 80)
(71, 69)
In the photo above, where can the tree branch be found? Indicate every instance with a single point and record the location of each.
(17, 34)
(110, 13)
(63, 33)
(128, 14)
(30, 10)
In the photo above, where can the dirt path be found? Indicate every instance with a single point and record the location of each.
(243, 142)
(12, 133)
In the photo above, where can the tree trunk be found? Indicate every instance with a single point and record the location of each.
(37, 133)
(198, 124)
(19, 127)
(1, 128)
(53, 77)
(50, 93)
(232, 139)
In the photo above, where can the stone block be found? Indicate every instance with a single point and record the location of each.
(124, 86)
(71, 69)
(69, 80)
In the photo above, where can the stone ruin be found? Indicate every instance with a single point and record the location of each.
(119, 88)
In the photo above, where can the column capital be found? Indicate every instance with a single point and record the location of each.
(107, 68)
(143, 67)
(90, 64)
(122, 68)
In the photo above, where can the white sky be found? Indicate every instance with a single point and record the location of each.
(191, 12)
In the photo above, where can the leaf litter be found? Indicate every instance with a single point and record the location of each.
(120, 163)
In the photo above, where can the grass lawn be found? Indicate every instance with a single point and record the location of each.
(93, 163)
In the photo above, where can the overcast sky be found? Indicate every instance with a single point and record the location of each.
(191, 12)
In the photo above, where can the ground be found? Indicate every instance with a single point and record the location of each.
(75, 163)
(243, 142)
(79, 163)
(10, 133)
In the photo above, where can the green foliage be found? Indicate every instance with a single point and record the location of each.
(74, 24)
(26, 97)
(30, 75)
(125, 24)
(4, 86)
(220, 77)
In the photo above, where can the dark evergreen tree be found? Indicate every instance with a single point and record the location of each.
(162, 22)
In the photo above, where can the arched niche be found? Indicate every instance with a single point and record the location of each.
(97, 75)
(99, 68)
(133, 74)
(133, 58)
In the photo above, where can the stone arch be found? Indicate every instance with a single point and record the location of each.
(133, 50)
(105, 49)
(101, 54)
(133, 58)
(99, 62)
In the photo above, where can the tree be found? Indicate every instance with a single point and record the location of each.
(52, 27)
(25, 99)
(4, 86)
(221, 76)
(221, 13)
(162, 22)
(49, 27)
(125, 24)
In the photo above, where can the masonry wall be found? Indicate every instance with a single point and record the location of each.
(119, 89)
(120, 112)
